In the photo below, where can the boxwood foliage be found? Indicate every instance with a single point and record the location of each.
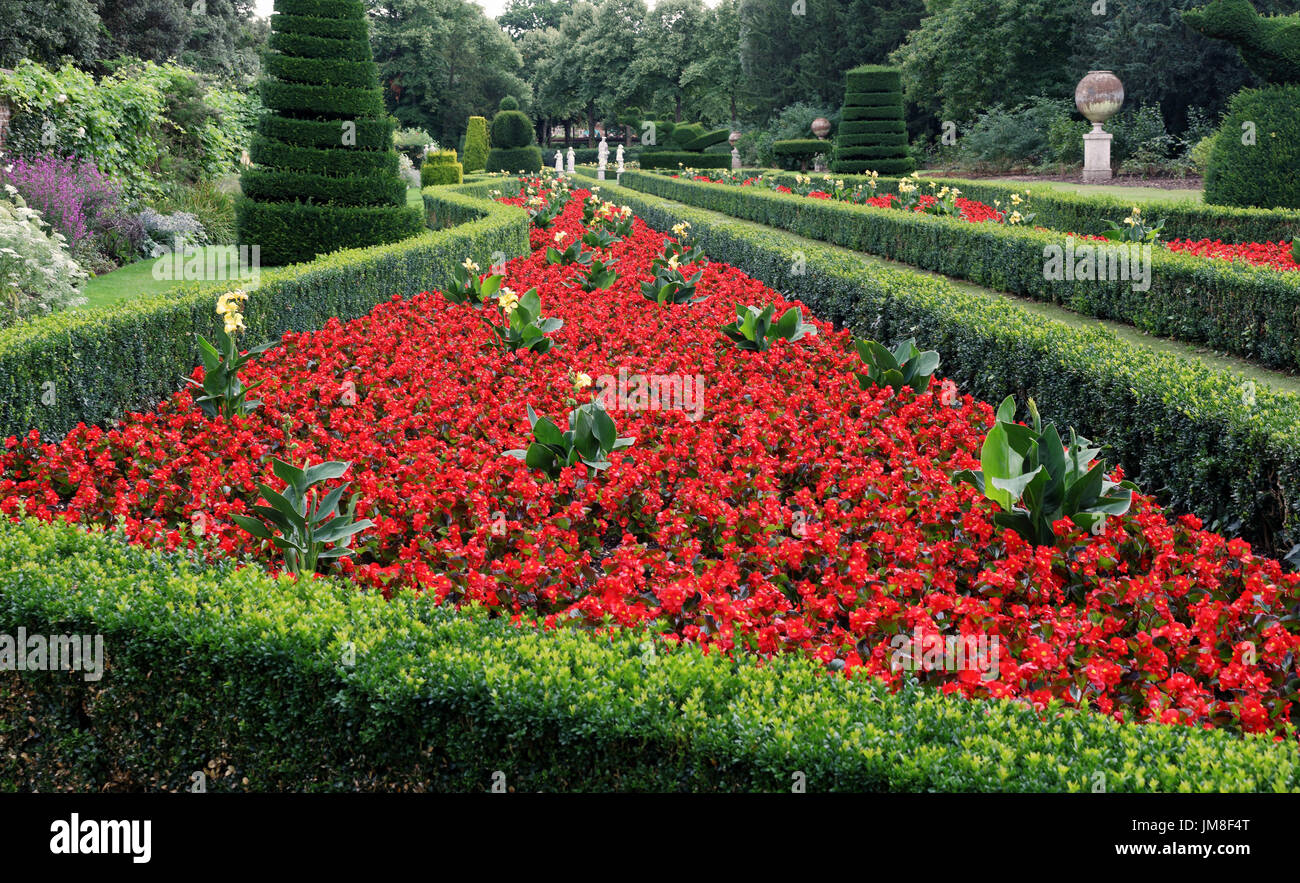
(513, 147)
(304, 196)
(1203, 440)
(90, 366)
(672, 159)
(440, 168)
(1233, 307)
(873, 94)
(1258, 171)
(272, 684)
(1087, 213)
(476, 144)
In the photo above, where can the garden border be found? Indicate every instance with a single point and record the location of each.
(1188, 433)
(269, 684)
(91, 366)
(1252, 312)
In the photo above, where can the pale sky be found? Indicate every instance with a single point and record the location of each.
(492, 7)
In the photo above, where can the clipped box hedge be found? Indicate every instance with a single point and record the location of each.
(1087, 213)
(672, 159)
(106, 361)
(1183, 431)
(272, 684)
(1233, 307)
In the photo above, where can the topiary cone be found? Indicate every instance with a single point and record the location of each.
(324, 174)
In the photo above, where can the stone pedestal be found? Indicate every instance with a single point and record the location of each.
(600, 174)
(735, 160)
(1096, 156)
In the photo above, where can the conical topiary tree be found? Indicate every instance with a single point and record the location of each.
(872, 136)
(476, 144)
(325, 172)
(512, 141)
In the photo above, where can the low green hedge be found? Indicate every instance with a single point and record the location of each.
(1233, 307)
(294, 232)
(1187, 433)
(1087, 213)
(100, 363)
(514, 159)
(270, 684)
(671, 159)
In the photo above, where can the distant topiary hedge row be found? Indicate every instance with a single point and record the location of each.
(513, 148)
(440, 168)
(872, 135)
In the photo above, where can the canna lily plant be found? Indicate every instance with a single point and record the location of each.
(904, 365)
(1036, 480)
(525, 327)
(223, 392)
(590, 439)
(307, 518)
(755, 331)
(470, 288)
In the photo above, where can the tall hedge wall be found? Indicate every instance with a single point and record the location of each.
(1185, 432)
(325, 170)
(100, 363)
(1256, 151)
(872, 113)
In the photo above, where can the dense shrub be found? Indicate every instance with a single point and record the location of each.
(149, 127)
(872, 92)
(1262, 173)
(102, 363)
(414, 143)
(441, 168)
(476, 144)
(37, 274)
(329, 210)
(804, 149)
(513, 149)
(672, 159)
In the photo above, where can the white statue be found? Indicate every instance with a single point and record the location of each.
(602, 159)
(570, 160)
(619, 159)
(559, 162)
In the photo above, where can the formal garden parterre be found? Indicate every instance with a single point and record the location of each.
(667, 475)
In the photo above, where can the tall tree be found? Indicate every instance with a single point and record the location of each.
(46, 30)
(716, 79)
(671, 39)
(523, 16)
(443, 61)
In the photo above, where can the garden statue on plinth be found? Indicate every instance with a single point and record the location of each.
(735, 154)
(618, 158)
(602, 159)
(559, 162)
(1098, 97)
(570, 160)
(821, 127)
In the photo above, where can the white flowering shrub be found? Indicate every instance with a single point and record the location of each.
(167, 233)
(37, 274)
(408, 170)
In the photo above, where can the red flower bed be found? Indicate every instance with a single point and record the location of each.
(1264, 254)
(798, 514)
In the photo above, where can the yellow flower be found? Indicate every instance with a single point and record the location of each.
(1015, 199)
(470, 266)
(507, 300)
(581, 380)
(681, 228)
(1014, 218)
(559, 237)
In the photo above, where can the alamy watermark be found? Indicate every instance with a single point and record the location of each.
(1101, 261)
(652, 392)
(212, 263)
(24, 652)
(934, 652)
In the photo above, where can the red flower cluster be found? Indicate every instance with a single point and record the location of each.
(798, 513)
(1264, 254)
